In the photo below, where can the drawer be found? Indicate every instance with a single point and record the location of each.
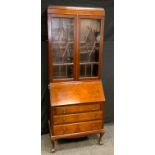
(79, 117)
(76, 108)
(77, 127)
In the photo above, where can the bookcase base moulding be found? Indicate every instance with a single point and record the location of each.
(75, 45)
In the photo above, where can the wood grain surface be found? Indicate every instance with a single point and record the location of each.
(80, 117)
(77, 127)
(68, 93)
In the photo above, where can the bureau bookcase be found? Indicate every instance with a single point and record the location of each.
(75, 48)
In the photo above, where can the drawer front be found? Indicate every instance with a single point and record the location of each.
(77, 127)
(76, 109)
(79, 117)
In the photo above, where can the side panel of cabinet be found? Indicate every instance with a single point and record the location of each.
(90, 47)
(62, 45)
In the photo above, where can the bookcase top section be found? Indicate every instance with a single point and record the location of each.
(75, 10)
(76, 92)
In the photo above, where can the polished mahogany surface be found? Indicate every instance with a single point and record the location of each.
(77, 108)
(75, 52)
(77, 127)
(75, 43)
(67, 93)
(79, 117)
(75, 10)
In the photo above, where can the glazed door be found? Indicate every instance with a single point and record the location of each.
(90, 47)
(62, 38)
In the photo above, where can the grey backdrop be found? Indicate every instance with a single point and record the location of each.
(108, 55)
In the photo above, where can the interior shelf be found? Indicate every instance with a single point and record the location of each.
(88, 63)
(63, 64)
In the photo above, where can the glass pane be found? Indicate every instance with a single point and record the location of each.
(62, 47)
(89, 47)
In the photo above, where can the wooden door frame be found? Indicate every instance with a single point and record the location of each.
(76, 47)
(50, 65)
(100, 49)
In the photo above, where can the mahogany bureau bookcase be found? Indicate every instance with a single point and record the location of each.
(75, 45)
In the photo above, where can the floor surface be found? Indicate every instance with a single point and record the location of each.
(82, 146)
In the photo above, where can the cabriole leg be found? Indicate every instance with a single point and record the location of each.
(101, 139)
(53, 146)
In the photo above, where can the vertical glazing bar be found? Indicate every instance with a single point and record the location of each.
(85, 70)
(66, 71)
(91, 69)
(101, 48)
(50, 66)
(77, 51)
(59, 70)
